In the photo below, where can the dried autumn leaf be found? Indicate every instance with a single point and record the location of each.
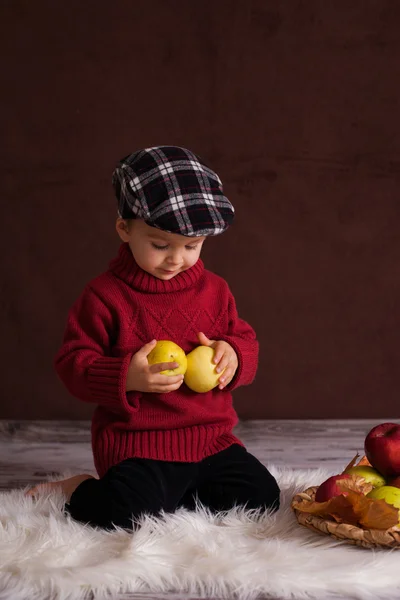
(364, 462)
(351, 463)
(338, 508)
(373, 514)
(354, 509)
(354, 483)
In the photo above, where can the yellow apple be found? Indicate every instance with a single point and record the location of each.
(370, 474)
(388, 493)
(201, 375)
(167, 351)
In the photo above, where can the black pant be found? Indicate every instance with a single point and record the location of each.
(139, 486)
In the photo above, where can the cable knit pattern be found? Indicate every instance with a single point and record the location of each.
(119, 312)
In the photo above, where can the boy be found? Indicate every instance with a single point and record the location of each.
(156, 444)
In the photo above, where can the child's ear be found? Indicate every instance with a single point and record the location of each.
(122, 229)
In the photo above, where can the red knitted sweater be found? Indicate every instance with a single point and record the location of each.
(119, 312)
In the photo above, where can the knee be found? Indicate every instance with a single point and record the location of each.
(102, 504)
(272, 495)
(267, 495)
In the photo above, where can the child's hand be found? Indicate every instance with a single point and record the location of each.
(225, 357)
(67, 486)
(145, 378)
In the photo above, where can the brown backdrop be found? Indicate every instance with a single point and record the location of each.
(295, 103)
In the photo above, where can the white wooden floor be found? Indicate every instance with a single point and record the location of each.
(30, 451)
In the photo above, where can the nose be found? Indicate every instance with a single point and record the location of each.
(174, 258)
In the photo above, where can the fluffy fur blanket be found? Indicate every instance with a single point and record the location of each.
(44, 554)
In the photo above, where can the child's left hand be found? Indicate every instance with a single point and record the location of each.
(225, 357)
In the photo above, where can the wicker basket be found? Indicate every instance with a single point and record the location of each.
(368, 538)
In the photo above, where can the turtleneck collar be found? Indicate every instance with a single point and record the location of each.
(126, 268)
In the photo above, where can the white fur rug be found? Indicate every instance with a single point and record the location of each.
(43, 554)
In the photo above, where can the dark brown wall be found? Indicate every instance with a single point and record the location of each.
(295, 103)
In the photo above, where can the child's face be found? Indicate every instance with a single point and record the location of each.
(161, 254)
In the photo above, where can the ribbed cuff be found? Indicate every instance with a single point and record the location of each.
(107, 382)
(247, 353)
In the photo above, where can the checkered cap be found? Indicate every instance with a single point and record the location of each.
(172, 189)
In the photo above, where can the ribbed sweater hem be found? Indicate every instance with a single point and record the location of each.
(190, 444)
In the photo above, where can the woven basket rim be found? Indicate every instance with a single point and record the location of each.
(367, 538)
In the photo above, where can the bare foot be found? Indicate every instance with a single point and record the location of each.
(67, 486)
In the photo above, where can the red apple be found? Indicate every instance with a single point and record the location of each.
(395, 482)
(329, 488)
(382, 448)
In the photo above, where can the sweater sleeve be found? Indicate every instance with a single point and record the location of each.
(242, 337)
(84, 363)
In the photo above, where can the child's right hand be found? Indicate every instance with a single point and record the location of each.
(145, 378)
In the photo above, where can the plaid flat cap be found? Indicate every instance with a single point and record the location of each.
(172, 189)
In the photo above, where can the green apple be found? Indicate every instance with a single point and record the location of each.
(370, 475)
(388, 493)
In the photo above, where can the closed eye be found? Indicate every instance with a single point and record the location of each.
(157, 247)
